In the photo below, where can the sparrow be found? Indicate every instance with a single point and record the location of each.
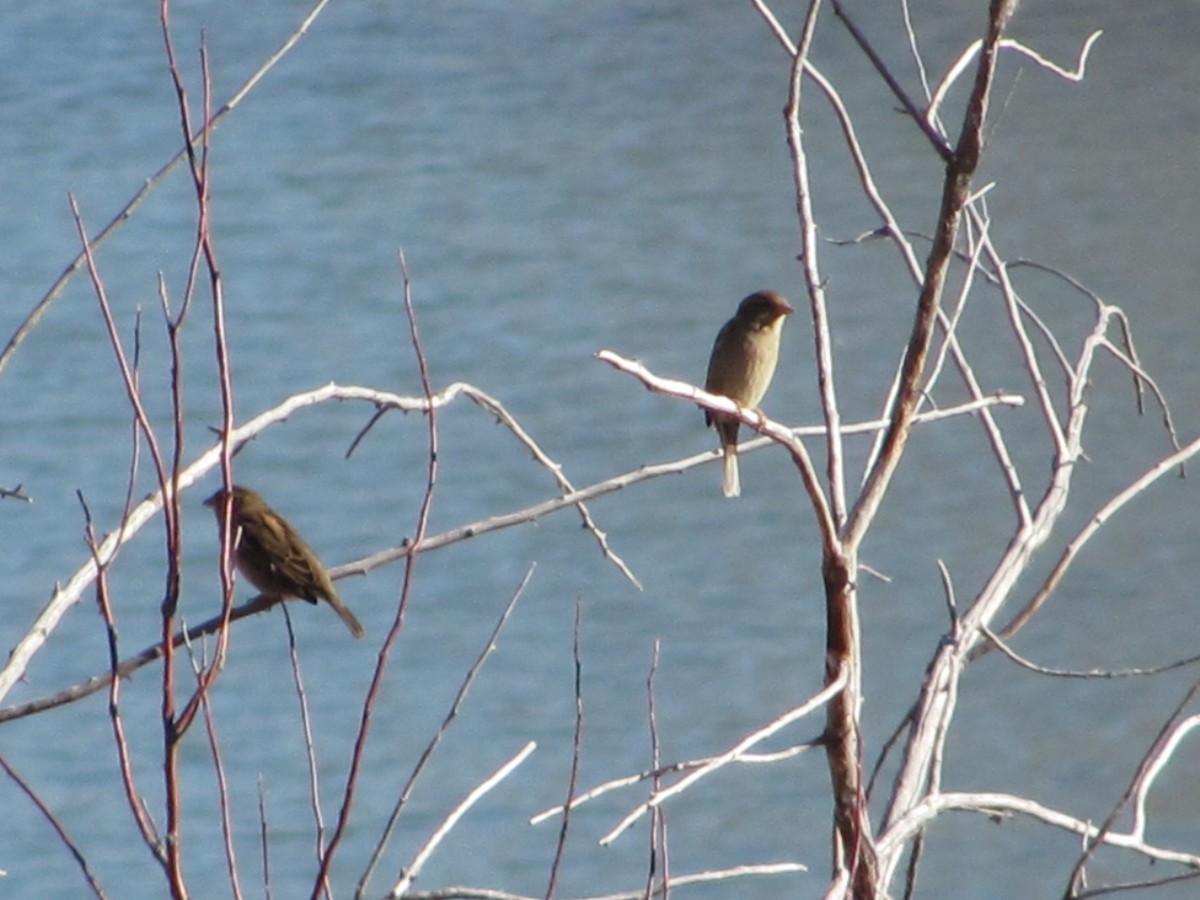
(741, 367)
(273, 557)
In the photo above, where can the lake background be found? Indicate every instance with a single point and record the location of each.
(564, 177)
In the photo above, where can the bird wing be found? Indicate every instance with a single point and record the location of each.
(291, 559)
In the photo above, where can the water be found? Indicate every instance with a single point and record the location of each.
(563, 178)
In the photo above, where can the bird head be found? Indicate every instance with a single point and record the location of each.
(243, 498)
(763, 308)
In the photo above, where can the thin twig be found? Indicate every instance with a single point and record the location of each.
(400, 888)
(688, 765)
(815, 702)
(658, 818)
(17, 493)
(214, 745)
(709, 877)
(126, 212)
(823, 340)
(133, 796)
(427, 754)
(950, 325)
(376, 686)
(1151, 764)
(1085, 674)
(1135, 489)
(972, 51)
(1130, 356)
(162, 849)
(264, 844)
(936, 139)
(496, 408)
(59, 828)
(560, 848)
(310, 751)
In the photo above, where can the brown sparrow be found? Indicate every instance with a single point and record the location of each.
(274, 558)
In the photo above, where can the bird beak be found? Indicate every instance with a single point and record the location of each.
(788, 310)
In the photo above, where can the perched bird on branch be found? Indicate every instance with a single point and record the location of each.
(741, 367)
(273, 557)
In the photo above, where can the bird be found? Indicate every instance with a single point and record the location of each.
(741, 367)
(273, 557)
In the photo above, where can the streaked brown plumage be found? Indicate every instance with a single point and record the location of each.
(274, 558)
(741, 367)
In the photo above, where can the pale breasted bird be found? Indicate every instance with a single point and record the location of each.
(741, 367)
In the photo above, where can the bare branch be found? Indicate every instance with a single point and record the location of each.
(400, 888)
(470, 893)
(59, 829)
(126, 212)
(1163, 747)
(936, 139)
(659, 846)
(427, 753)
(560, 848)
(964, 60)
(1135, 489)
(956, 189)
(1090, 673)
(690, 765)
(992, 804)
(68, 594)
(834, 455)
(406, 587)
(731, 755)
(310, 752)
(751, 418)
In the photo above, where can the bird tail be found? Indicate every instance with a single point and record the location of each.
(346, 616)
(731, 484)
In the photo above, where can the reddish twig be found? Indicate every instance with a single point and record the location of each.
(171, 844)
(427, 753)
(393, 634)
(576, 752)
(59, 828)
(214, 748)
(126, 212)
(137, 805)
